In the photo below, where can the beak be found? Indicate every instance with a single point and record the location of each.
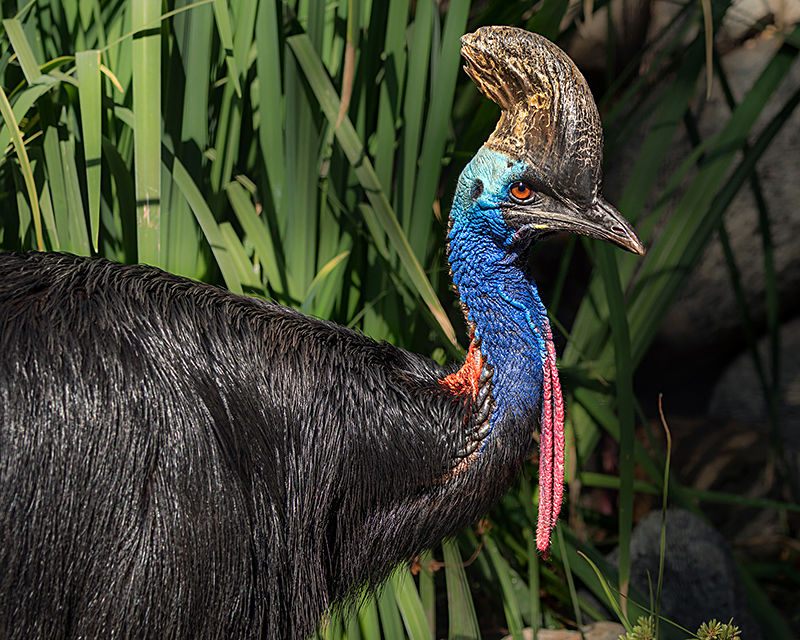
(601, 220)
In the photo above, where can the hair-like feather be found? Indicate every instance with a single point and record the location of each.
(179, 461)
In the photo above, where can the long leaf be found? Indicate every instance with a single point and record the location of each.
(88, 67)
(25, 165)
(145, 16)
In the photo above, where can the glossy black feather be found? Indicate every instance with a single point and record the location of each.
(179, 461)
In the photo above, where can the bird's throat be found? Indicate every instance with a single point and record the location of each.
(511, 337)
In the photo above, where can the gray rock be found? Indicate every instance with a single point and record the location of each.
(738, 395)
(700, 577)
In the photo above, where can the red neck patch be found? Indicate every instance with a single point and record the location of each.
(465, 380)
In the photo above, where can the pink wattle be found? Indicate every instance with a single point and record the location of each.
(551, 450)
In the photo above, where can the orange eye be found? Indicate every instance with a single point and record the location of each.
(521, 191)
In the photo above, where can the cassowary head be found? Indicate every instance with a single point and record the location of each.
(540, 170)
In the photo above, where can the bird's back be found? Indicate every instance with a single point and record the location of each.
(196, 441)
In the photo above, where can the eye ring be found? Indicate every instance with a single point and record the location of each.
(520, 192)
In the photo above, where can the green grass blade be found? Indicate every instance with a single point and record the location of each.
(573, 593)
(24, 101)
(244, 267)
(664, 495)
(445, 72)
(270, 99)
(391, 93)
(46, 206)
(147, 132)
(257, 233)
(461, 616)
(612, 601)
(413, 107)
(534, 583)
(510, 604)
(320, 278)
(225, 32)
(369, 620)
(391, 622)
(22, 48)
(208, 224)
(25, 166)
(427, 588)
(605, 259)
(410, 605)
(547, 20)
(124, 197)
(79, 234)
(90, 94)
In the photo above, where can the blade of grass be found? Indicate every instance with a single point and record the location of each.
(534, 583)
(547, 20)
(391, 90)
(369, 620)
(391, 621)
(573, 593)
(612, 601)
(257, 233)
(461, 616)
(238, 254)
(606, 263)
(662, 544)
(316, 283)
(46, 202)
(78, 232)
(270, 103)
(410, 605)
(443, 80)
(22, 48)
(510, 604)
(22, 104)
(427, 588)
(123, 196)
(88, 68)
(413, 108)
(25, 166)
(222, 18)
(208, 224)
(147, 132)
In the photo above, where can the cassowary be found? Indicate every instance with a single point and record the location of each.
(179, 461)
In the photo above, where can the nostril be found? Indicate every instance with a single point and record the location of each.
(618, 230)
(477, 189)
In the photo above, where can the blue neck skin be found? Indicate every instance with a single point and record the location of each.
(502, 303)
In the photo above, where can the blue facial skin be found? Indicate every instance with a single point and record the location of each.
(503, 303)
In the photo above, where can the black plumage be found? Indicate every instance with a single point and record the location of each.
(180, 461)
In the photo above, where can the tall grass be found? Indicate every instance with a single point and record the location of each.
(306, 151)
